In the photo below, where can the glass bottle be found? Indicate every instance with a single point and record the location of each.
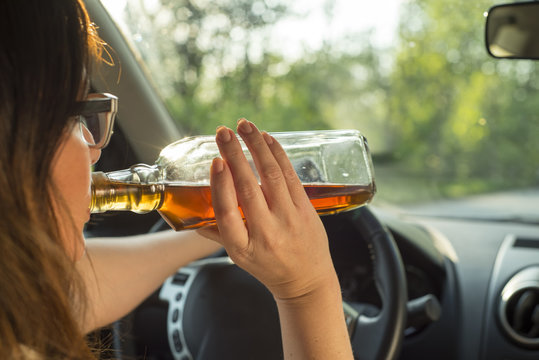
(334, 166)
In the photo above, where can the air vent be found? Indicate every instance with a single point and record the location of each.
(519, 308)
(526, 243)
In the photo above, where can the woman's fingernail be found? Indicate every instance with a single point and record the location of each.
(223, 134)
(245, 126)
(268, 138)
(217, 165)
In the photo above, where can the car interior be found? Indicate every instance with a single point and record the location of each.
(443, 280)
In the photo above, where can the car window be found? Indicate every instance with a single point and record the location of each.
(443, 119)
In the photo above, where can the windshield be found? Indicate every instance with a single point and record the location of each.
(443, 119)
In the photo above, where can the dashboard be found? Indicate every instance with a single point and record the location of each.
(484, 293)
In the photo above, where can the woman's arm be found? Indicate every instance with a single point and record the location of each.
(282, 242)
(313, 325)
(121, 272)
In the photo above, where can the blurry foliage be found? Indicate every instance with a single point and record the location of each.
(466, 121)
(209, 61)
(442, 110)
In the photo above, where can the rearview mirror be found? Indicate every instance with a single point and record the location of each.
(512, 31)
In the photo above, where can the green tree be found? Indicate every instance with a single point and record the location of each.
(321, 90)
(462, 116)
(209, 77)
(190, 42)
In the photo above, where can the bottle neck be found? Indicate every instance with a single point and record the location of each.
(117, 195)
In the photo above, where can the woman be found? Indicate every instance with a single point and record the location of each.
(55, 287)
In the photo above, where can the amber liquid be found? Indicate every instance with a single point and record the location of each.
(189, 207)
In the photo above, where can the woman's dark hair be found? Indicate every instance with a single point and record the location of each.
(47, 49)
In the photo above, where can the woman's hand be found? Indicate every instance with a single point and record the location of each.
(282, 241)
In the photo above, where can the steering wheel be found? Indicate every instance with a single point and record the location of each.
(219, 311)
(378, 337)
(215, 310)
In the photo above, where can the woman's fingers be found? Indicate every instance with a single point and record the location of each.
(246, 185)
(271, 176)
(232, 232)
(294, 185)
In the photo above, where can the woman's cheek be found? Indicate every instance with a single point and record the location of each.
(71, 176)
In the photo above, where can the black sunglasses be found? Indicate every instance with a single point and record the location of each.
(96, 117)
